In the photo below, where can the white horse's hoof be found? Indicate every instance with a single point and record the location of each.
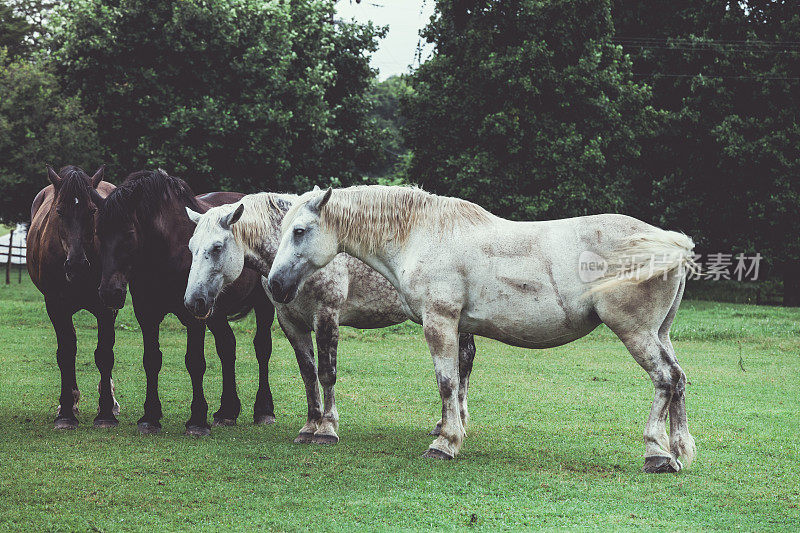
(434, 453)
(661, 464)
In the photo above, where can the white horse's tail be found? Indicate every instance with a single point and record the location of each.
(646, 256)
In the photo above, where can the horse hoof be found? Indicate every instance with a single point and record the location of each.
(263, 420)
(106, 422)
(197, 431)
(434, 453)
(224, 422)
(325, 439)
(66, 423)
(659, 465)
(147, 428)
(304, 438)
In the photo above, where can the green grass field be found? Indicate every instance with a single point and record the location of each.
(554, 442)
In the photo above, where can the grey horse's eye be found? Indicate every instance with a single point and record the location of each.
(217, 247)
(298, 232)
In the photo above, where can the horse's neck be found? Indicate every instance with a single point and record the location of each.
(386, 260)
(260, 254)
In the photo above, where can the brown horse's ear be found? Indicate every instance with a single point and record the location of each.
(97, 200)
(98, 176)
(319, 202)
(54, 178)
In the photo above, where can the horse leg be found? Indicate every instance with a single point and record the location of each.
(197, 425)
(466, 355)
(327, 330)
(304, 351)
(681, 442)
(441, 333)
(668, 380)
(263, 410)
(150, 422)
(61, 318)
(104, 359)
(225, 341)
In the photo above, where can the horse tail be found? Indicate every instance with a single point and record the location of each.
(645, 256)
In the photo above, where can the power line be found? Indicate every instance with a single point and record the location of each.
(658, 74)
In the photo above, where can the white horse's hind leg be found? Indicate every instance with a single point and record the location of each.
(442, 335)
(658, 362)
(681, 442)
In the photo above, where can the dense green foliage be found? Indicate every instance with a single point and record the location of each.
(389, 120)
(38, 125)
(241, 94)
(554, 442)
(725, 165)
(526, 108)
(685, 115)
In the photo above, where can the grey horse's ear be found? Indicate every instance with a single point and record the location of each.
(316, 188)
(163, 172)
(319, 202)
(98, 176)
(54, 178)
(194, 216)
(231, 218)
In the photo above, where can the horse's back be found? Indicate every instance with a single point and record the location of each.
(217, 198)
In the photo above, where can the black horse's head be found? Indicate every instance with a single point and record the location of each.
(127, 220)
(119, 235)
(74, 208)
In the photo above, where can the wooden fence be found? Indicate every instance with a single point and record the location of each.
(14, 253)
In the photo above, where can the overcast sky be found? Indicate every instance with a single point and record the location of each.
(404, 17)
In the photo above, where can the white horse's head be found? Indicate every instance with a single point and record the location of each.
(217, 259)
(306, 246)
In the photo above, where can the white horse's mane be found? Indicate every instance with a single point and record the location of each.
(261, 210)
(365, 216)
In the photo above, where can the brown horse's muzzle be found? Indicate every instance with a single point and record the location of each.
(112, 292)
(76, 267)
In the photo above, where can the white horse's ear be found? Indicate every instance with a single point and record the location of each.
(319, 202)
(194, 216)
(316, 188)
(98, 176)
(231, 218)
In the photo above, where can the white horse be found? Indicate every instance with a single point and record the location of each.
(458, 268)
(346, 292)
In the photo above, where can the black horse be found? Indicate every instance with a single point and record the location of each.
(144, 233)
(63, 261)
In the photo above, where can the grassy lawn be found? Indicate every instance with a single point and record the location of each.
(554, 443)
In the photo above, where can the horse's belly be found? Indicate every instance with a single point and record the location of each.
(529, 324)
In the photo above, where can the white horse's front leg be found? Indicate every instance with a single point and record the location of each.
(441, 332)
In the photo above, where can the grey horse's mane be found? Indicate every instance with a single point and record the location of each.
(261, 210)
(365, 216)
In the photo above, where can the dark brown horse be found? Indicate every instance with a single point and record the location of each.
(144, 234)
(63, 262)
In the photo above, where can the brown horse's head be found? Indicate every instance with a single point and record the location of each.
(118, 231)
(74, 208)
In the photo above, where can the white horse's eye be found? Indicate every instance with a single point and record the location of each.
(299, 231)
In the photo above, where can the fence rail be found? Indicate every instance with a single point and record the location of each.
(13, 253)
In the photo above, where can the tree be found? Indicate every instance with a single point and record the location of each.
(241, 94)
(38, 126)
(389, 119)
(22, 25)
(726, 165)
(526, 108)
